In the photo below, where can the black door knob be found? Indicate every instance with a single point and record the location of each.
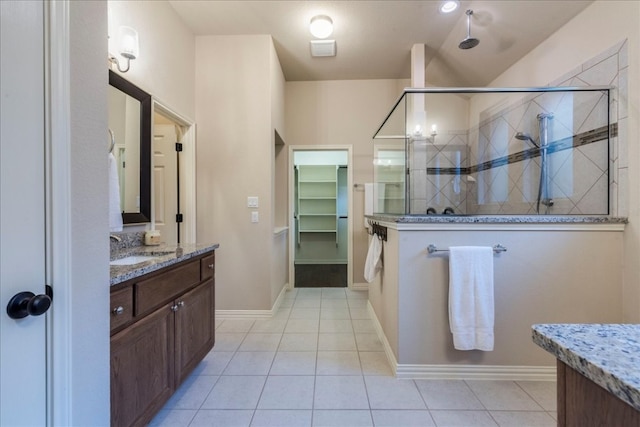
(27, 303)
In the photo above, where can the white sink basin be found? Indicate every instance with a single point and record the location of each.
(131, 260)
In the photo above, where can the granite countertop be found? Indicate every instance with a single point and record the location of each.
(164, 255)
(608, 355)
(498, 219)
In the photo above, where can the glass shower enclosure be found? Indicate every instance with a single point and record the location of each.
(495, 151)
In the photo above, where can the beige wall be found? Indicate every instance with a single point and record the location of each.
(597, 28)
(166, 66)
(383, 291)
(235, 148)
(279, 250)
(561, 275)
(345, 112)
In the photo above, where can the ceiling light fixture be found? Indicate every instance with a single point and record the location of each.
(449, 6)
(321, 26)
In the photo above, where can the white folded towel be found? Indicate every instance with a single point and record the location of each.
(115, 214)
(471, 306)
(373, 263)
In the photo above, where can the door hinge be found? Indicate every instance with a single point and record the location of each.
(178, 146)
(178, 218)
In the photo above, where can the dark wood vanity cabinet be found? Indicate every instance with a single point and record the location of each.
(582, 402)
(142, 359)
(170, 329)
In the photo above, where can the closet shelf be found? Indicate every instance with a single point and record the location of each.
(317, 195)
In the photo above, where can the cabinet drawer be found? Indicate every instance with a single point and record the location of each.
(121, 307)
(207, 267)
(164, 287)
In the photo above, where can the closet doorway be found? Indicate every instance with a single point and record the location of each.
(173, 178)
(321, 206)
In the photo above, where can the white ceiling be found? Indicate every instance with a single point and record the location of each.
(374, 38)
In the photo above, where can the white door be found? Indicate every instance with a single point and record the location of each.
(23, 387)
(165, 178)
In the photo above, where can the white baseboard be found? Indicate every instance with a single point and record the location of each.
(243, 314)
(391, 358)
(477, 372)
(360, 286)
(460, 372)
(254, 314)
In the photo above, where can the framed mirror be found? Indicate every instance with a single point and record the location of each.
(130, 122)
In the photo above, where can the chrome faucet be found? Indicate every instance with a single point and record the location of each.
(114, 237)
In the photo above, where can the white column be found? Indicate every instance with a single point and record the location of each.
(416, 117)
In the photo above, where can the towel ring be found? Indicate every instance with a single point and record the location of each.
(113, 140)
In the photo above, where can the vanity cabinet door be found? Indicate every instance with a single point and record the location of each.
(195, 325)
(142, 375)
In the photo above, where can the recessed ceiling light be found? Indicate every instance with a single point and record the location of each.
(449, 6)
(321, 26)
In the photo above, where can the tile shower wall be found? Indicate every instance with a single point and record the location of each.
(507, 174)
(479, 171)
(437, 173)
(610, 68)
(580, 181)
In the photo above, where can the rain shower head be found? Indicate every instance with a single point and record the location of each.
(469, 41)
(526, 137)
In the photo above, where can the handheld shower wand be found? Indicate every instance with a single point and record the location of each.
(543, 184)
(526, 137)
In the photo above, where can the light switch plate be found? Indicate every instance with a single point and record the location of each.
(254, 216)
(252, 202)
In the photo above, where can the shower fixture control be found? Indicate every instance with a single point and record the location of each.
(469, 42)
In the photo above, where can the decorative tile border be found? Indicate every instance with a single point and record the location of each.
(589, 137)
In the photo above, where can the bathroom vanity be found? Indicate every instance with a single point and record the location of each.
(162, 325)
(598, 377)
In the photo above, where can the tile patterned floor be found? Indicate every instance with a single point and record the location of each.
(318, 362)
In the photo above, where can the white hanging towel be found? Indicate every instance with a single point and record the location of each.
(471, 305)
(115, 214)
(373, 263)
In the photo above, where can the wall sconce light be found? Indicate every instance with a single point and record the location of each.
(434, 132)
(129, 48)
(321, 26)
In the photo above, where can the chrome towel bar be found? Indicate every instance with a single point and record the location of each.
(496, 249)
